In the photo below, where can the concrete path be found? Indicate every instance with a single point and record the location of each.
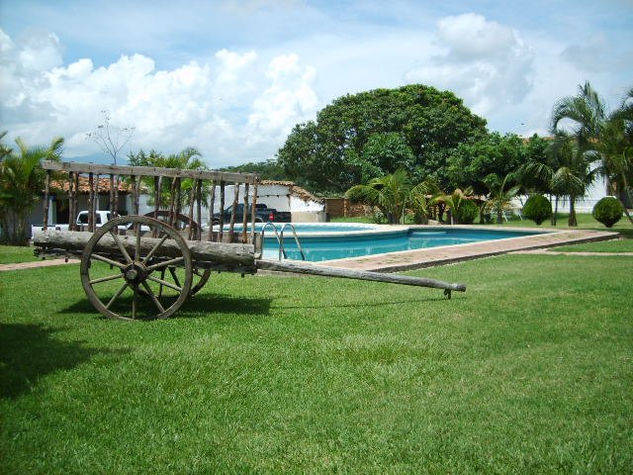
(435, 256)
(36, 264)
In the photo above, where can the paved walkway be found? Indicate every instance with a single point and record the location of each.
(435, 256)
(34, 264)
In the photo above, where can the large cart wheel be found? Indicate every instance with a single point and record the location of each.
(143, 274)
(180, 222)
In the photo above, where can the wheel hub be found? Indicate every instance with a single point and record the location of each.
(135, 273)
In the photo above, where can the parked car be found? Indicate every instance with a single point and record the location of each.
(262, 214)
(101, 217)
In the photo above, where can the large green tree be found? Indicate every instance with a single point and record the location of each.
(328, 155)
(21, 185)
(495, 154)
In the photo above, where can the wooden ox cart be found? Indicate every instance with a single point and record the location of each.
(142, 267)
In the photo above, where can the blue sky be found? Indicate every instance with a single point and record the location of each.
(233, 77)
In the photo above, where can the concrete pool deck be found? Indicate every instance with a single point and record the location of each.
(437, 256)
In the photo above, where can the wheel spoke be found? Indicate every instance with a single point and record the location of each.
(165, 283)
(107, 260)
(172, 271)
(153, 297)
(105, 279)
(155, 248)
(164, 264)
(117, 295)
(121, 247)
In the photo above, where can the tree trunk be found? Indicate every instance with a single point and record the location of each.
(572, 212)
(555, 215)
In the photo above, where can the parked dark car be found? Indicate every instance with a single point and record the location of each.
(262, 214)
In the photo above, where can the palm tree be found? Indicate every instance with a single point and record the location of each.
(616, 150)
(21, 183)
(500, 199)
(454, 200)
(389, 193)
(421, 199)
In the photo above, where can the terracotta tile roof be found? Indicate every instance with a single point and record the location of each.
(294, 190)
(104, 185)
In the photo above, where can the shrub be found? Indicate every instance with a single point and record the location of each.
(537, 208)
(467, 212)
(608, 211)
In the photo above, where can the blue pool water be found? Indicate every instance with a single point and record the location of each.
(322, 242)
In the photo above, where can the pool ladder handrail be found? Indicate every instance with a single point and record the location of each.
(294, 234)
(280, 239)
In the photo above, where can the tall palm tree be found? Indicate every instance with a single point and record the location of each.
(21, 183)
(581, 119)
(390, 194)
(616, 150)
(454, 200)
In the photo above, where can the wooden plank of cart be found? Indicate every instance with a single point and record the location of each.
(147, 266)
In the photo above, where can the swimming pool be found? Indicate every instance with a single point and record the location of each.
(326, 241)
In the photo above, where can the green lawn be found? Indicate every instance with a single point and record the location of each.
(16, 254)
(530, 370)
(620, 245)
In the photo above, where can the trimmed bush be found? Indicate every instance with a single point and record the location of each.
(537, 208)
(467, 212)
(608, 211)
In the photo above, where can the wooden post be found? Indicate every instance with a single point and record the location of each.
(178, 202)
(46, 191)
(136, 182)
(245, 213)
(236, 194)
(253, 210)
(112, 196)
(116, 196)
(221, 235)
(172, 204)
(192, 199)
(97, 192)
(71, 209)
(91, 210)
(211, 207)
(199, 210)
(75, 198)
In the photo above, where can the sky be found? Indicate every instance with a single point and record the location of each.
(232, 78)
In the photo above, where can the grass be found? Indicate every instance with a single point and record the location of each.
(16, 254)
(619, 245)
(529, 371)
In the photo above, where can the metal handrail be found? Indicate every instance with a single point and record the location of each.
(294, 233)
(279, 240)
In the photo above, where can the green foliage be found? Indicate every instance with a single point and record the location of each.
(267, 170)
(537, 208)
(350, 135)
(389, 193)
(608, 211)
(187, 159)
(467, 212)
(500, 198)
(494, 154)
(454, 201)
(21, 185)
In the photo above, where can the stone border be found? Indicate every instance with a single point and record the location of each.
(435, 256)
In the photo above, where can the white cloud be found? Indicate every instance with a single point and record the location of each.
(233, 108)
(289, 100)
(486, 63)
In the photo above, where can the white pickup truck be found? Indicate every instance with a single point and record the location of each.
(101, 217)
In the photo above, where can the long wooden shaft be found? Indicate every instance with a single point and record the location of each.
(192, 199)
(225, 254)
(75, 198)
(199, 210)
(112, 197)
(304, 268)
(71, 208)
